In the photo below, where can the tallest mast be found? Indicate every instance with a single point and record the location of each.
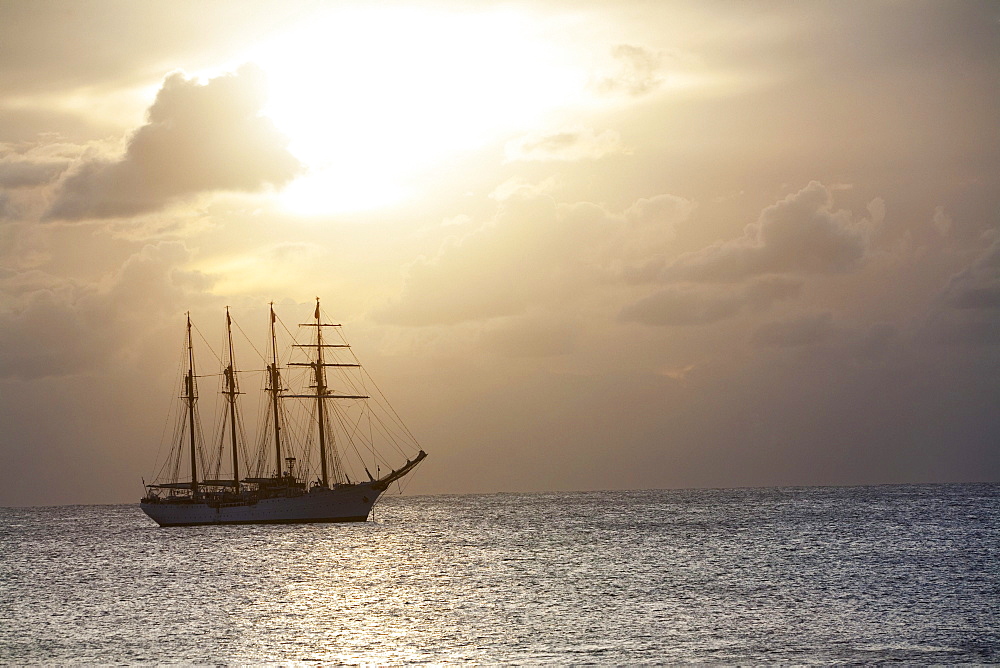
(275, 390)
(231, 392)
(191, 398)
(323, 392)
(320, 395)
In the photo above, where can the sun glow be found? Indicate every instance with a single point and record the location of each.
(371, 97)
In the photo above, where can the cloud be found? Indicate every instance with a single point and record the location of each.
(536, 334)
(18, 171)
(50, 326)
(566, 145)
(535, 251)
(801, 234)
(800, 331)
(681, 306)
(764, 291)
(636, 71)
(26, 171)
(942, 222)
(198, 138)
(659, 209)
(21, 245)
(856, 342)
(978, 286)
(878, 341)
(526, 253)
(967, 310)
(293, 251)
(698, 305)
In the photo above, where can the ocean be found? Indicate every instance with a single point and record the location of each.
(820, 575)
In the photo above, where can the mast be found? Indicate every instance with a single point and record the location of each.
(231, 392)
(322, 391)
(320, 394)
(191, 398)
(275, 389)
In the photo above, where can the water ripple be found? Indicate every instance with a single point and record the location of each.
(796, 575)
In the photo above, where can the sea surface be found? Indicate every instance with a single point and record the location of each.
(791, 576)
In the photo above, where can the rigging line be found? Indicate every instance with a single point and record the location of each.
(401, 485)
(242, 440)
(166, 421)
(171, 467)
(247, 339)
(207, 344)
(345, 421)
(263, 428)
(164, 472)
(399, 442)
(391, 426)
(200, 439)
(306, 441)
(354, 423)
(175, 470)
(219, 420)
(218, 436)
(159, 448)
(393, 410)
(341, 420)
(390, 436)
(379, 458)
(371, 434)
(288, 334)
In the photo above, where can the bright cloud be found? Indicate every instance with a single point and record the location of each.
(636, 71)
(199, 137)
(571, 144)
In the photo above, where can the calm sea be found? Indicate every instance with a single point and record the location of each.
(795, 575)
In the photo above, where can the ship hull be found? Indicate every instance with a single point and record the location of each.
(344, 503)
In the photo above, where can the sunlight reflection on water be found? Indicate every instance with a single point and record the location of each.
(795, 575)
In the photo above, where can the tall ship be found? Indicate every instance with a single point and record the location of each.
(320, 454)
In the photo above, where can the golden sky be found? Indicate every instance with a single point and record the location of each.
(580, 245)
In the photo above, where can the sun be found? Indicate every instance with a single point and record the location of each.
(370, 97)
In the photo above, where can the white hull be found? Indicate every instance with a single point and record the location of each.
(343, 503)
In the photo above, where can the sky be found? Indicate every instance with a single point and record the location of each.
(579, 245)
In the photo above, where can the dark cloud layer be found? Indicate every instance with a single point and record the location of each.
(967, 309)
(801, 331)
(199, 137)
(803, 233)
(51, 326)
(978, 286)
(699, 305)
(534, 251)
(20, 172)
